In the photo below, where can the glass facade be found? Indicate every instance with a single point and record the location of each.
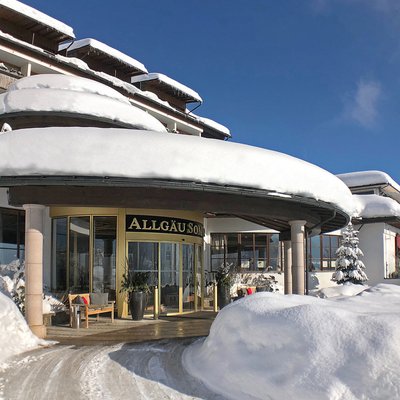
(84, 255)
(104, 255)
(59, 255)
(12, 235)
(79, 257)
(90, 253)
(173, 269)
(246, 252)
(321, 252)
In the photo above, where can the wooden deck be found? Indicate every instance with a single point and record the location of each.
(125, 330)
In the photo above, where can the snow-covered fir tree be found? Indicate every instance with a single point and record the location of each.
(348, 266)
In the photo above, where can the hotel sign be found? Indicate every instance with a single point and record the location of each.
(157, 224)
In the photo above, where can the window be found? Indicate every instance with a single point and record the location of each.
(104, 255)
(84, 254)
(79, 256)
(393, 269)
(322, 252)
(12, 235)
(59, 256)
(246, 252)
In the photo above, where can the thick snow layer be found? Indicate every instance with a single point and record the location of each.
(15, 335)
(68, 83)
(77, 44)
(141, 154)
(38, 16)
(374, 206)
(74, 95)
(128, 87)
(168, 81)
(270, 346)
(366, 178)
(215, 125)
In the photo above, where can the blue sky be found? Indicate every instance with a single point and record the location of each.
(317, 79)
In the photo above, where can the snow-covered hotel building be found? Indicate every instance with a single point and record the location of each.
(103, 167)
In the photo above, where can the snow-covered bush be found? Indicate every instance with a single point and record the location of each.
(12, 282)
(348, 266)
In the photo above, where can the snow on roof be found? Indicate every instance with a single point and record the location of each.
(168, 81)
(374, 206)
(74, 95)
(368, 178)
(21, 42)
(105, 49)
(115, 81)
(215, 125)
(152, 155)
(38, 16)
(272, 346)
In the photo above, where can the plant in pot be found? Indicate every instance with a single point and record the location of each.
(135, 284)
(224, 280)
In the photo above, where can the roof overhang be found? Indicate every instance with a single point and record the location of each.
(390, 220)
(34, 21)
(255, 205)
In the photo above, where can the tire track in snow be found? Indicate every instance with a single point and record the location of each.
(149, 371)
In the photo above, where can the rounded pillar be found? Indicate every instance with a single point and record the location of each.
(297, 229)
(287, 248)
(34, 268)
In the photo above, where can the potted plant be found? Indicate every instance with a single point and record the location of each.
(224, 280)
(135, 284)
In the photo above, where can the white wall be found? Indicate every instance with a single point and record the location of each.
(377, 244)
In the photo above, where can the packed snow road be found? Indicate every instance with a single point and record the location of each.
(124, 371)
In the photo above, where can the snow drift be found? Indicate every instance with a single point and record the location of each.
(15, 335)
(270, 346)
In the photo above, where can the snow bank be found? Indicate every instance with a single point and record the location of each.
(145, 154)
(270, 346)
(367, 178)
(15, 335)
(374, 206)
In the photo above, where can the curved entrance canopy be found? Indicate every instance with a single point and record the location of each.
(145, 169)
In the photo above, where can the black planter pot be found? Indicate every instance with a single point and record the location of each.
(262, 289)
(137, 304)
(224, 295)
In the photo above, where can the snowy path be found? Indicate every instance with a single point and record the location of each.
(124, 371)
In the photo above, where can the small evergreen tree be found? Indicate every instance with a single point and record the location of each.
(348, 267)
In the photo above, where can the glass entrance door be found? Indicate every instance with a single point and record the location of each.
(188, 277)
(169, 278)
(143, 257)
(172, 267)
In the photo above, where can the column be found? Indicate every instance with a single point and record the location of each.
(298, 271)
(287, 248)
(34, 268)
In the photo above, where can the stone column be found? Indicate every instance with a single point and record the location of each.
(298, 264)
(287, 248)
(34, 268)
